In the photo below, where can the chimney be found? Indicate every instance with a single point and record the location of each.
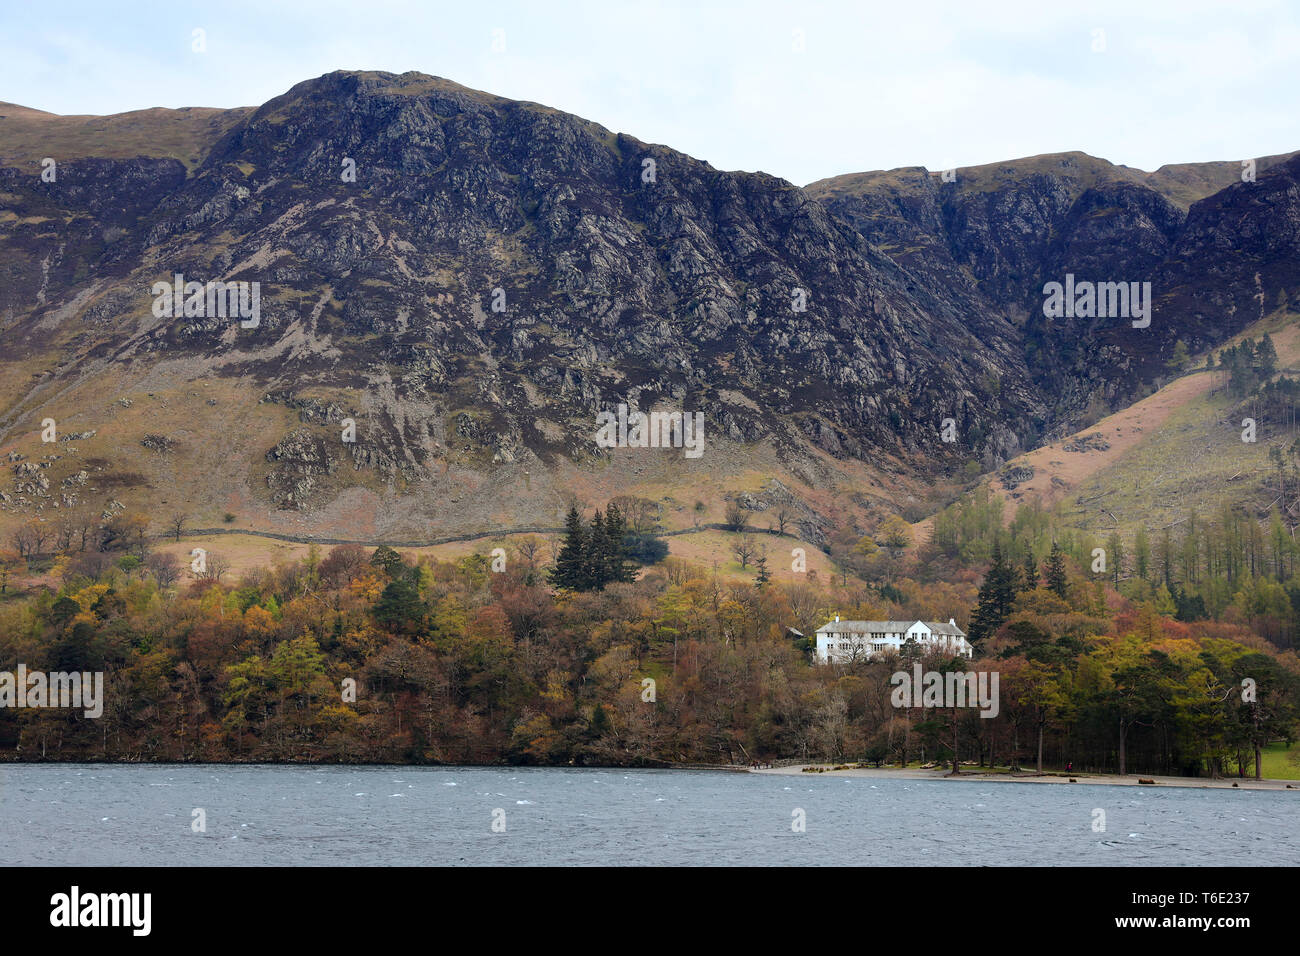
(952, 622)
(837, 619)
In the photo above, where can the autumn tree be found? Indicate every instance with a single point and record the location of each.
(894, 532)
(343, 564)
(11, 562)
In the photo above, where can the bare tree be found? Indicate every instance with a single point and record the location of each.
(744, 550)
(65, 532)
(641, 514)
(737, 516)
(87, 564)
(176, 524)
(215, 567)
(529, 548)
(30, 538)
(164, 567)
(129, 532)
(88, 530)
(782, 518)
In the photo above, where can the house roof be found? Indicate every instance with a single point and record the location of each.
(942, 628)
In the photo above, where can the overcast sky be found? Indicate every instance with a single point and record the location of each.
(801, 90)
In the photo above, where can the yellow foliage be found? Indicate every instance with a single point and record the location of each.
(367, 586)
(87, 596)
(258, 621)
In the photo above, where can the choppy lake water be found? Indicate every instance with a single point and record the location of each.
(359, 816)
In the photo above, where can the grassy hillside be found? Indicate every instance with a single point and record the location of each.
(1149, 464)
(1181, 183)
(27, 135)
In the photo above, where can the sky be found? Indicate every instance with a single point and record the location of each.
(800, 90)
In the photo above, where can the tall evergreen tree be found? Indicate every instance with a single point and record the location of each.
(1115, 555)
(597, 554)
(1142, 554)
(570, 571)
(616, 564)
(1054, 572)
(1266, 356)
(1030, 569)
(996, 596)
(1167, 557)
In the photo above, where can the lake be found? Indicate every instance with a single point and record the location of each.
(104, 815)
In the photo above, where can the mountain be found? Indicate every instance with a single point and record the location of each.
(472, 280)
(1219, 252)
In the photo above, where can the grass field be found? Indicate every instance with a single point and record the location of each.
(1282, 762)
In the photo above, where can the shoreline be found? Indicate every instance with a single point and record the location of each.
(789, 770)
(1048, 777)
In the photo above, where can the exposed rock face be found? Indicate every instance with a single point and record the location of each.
(1000, 232)
(301, 460)
(1094, 441)
(158, 443)
(1013, 477)
(469, 280)
(521, 263)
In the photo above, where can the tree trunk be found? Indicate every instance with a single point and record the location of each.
(1259, 764)
(1123, 732)
(956, 763)
(1041, 723)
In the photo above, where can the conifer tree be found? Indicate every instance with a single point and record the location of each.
(1054, 572)
(1115, 555)
(1266, 356)
(616, 565)
(1142, 554)
(597, 555)
(996, 596)
(570, 571)
(1030, 570)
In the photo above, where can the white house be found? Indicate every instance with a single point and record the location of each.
(859, 640)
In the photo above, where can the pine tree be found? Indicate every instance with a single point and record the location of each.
(597, 555)
(760, 563)
(1115, 555)
(1266, 356)
(996, 596)
(570, 571)
(1141, 554)
(1030, 570)
(616, 565)
(1054, 572)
